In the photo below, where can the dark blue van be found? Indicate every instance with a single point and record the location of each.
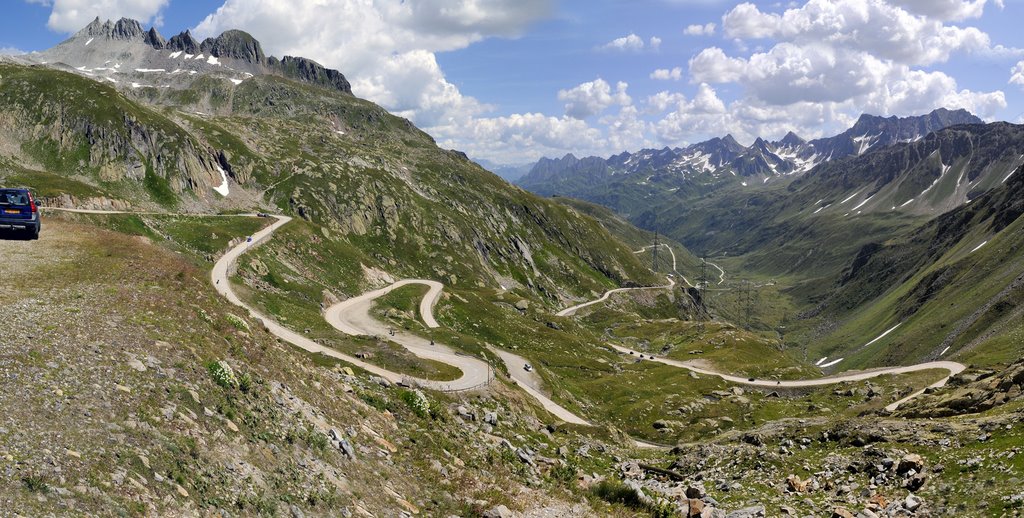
(18, 212)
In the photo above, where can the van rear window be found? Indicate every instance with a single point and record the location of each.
(13, 198)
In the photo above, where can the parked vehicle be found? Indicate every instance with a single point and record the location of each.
(18, 212)
(527, 367)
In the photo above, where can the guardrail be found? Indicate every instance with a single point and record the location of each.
(412, 382)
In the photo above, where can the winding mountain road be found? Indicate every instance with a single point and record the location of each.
(952, 367)
(353, 317)
(569, 311)
(671, 252)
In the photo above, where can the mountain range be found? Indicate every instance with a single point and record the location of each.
(123, 52)
(205, 206)
(724, 161)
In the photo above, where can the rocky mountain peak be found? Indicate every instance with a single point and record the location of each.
(127, 29)
(792, 140)
(124, 29)
(95, 28)
(235, 44)
(184, 42)
(309, 71)
(154, 39)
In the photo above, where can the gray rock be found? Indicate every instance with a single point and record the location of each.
(756, 511)
(491, 418)
(498, 511)
(912, 503)
(910, 461)
(524, 456)
(347, 448)
(296, 512)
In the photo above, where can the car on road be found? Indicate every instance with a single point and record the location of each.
(18, 212)
(527, 367)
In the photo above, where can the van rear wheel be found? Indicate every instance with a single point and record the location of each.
(34, 234)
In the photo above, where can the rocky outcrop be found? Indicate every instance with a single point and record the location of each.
(235, 44)
(970, 393)
(154, 39)
(124, 29)
(67, 201)
(183, 42)
(309, 71)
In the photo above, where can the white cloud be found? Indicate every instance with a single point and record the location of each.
(873, 26)
(837, 59)
(522, 137)
(385, 48)
(947, 9)
(916, 91)
(1017, 74)
(700, 30)
(10, 51)
(662, 101)
(593, 97)
(712, 65)
(664, 74)
(72, 15)
(627, 131)
(631, 43)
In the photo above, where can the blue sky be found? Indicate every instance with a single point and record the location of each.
(512, 80)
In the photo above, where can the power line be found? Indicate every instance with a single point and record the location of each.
(747, 289)
(702, 289)
(654, 256)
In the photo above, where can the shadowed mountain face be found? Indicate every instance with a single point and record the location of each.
(123, 52)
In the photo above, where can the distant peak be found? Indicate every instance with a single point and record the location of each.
(124, 29)
(792, 140)
(184, 42)
(235, 44)
(154, 39)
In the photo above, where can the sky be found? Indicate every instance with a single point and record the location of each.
(509, 81)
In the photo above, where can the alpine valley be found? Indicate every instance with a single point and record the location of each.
(255, 293)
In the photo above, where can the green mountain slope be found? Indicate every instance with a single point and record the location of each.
(954, 286)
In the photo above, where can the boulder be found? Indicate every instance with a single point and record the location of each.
(795, 485)
(910, 461)
(756, 511)
(498, 511)
(696, 491)
(912, 503)
(696, 506)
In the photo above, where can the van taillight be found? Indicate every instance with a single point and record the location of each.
(32, 203)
